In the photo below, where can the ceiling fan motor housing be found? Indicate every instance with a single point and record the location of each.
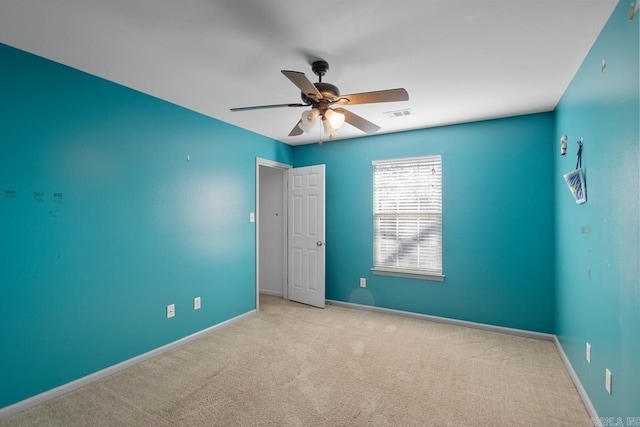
(329, 93)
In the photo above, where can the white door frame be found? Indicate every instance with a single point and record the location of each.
(284, 167)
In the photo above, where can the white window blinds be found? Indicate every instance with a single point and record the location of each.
(408, 215)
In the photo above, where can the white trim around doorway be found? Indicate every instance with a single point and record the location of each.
(284, 167)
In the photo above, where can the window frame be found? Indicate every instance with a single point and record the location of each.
(414, 273)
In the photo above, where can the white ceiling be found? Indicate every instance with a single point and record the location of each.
(460, 61)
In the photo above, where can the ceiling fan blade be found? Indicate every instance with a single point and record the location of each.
(355, 120)
(261, 107)
(297, 130)
(303, 83)
(389, 95)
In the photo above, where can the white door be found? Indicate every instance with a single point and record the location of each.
(306, 235)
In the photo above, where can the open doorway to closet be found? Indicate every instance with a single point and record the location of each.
(271, 228)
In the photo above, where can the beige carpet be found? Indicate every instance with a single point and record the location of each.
(294, 365)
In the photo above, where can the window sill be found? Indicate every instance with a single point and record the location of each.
(410, 274)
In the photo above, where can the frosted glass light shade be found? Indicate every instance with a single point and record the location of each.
(308, 119)
(335, 119)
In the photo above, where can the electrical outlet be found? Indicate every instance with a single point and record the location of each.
(363, 282)
(588, 353)
(196, 303)
(171, 311)
(607, 381)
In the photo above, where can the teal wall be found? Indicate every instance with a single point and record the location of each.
(85, 278)
(598, 274)
(497, 221)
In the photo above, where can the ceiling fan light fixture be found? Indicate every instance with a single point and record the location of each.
(322, 95)
(309, 119)
(335, 118)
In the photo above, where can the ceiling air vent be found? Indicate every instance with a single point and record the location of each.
(398, 113)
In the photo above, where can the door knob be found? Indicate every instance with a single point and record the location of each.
(319, 243)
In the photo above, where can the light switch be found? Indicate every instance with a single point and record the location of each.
(252, 217)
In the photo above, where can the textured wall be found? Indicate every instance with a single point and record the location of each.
(86, 274)
(598, 243)
(497, 221)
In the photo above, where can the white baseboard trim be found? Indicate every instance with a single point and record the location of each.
(272, 293)
(482, 326)
(23, 405)
(576, 381)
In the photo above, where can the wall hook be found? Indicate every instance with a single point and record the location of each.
(579, 162)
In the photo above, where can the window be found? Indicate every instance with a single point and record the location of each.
(407, 207)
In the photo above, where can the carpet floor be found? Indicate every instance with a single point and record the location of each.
(294, 365)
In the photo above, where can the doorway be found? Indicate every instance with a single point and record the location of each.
(290, 232)
(271, 229)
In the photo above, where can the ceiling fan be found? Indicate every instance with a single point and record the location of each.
(321, 96)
